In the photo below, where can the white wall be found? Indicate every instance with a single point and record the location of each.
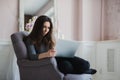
(4, 60)
(8, 64)
(108, 60)
(104, 56)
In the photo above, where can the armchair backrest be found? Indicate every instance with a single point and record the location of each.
(19, 45)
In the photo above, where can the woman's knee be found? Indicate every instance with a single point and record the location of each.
(81, 63)
(65, 67)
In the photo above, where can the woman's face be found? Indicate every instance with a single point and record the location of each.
(46, 27)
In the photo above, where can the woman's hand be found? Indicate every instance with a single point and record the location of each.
(49, 53)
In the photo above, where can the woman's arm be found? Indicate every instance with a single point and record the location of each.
(49, 53)
(32, 52)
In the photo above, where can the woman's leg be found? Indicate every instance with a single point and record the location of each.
(80, 65)
(64, 65)
(74, 65)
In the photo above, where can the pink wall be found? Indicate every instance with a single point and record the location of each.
(100, 20)
(111, 19)
(91, 20)
(80, 31)
(85, 20)
(8, 18)
(79, 19)
(67, 18)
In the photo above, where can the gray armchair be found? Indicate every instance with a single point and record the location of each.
(44, 69)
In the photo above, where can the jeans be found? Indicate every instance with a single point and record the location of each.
(73, 65)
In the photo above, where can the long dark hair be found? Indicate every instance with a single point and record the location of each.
(37, 36)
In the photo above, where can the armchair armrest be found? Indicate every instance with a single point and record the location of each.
(37, 63)
(45, 67)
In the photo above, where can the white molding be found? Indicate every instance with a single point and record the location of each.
(5, 42)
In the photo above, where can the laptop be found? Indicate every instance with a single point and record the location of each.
(66, 48)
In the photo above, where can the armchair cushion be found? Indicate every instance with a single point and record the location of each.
(78, 77)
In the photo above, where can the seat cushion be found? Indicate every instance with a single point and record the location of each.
(78, 77)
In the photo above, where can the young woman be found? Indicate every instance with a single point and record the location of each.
(40, 44)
